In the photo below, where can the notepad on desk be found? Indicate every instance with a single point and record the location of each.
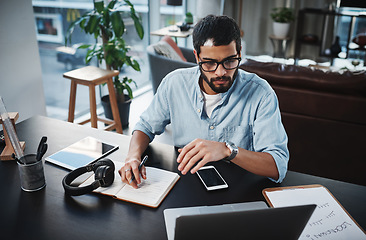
(329, 220)
(151, 192)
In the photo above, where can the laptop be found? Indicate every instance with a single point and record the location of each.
(171, 214)
(253, 221)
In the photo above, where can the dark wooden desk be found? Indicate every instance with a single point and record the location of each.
(49, 214)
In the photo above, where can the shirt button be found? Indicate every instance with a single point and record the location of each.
(198, 110)
(212, 127)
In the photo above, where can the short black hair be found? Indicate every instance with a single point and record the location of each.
(221, 29)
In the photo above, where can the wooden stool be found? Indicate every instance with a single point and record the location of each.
(92, 76)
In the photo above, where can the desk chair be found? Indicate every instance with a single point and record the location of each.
(92, 76)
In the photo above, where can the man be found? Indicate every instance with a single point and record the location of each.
(216, 111)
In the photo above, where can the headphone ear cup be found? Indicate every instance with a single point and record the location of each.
(105, 175)
(102, 162)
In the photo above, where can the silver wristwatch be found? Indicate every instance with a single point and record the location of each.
(233, 150)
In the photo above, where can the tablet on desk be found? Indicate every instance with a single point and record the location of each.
(81, 153)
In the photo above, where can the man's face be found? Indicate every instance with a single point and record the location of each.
(221, 79)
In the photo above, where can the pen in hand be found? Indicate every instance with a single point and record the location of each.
(140, 166)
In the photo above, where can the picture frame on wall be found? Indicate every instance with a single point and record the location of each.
(49, 27)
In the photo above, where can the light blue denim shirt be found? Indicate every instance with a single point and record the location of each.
(248, 115)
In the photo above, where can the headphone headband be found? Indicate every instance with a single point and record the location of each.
(104, 177)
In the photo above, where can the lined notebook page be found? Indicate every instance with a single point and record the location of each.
(150, 191)
(329, 220)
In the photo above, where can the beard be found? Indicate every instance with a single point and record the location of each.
(219, 88)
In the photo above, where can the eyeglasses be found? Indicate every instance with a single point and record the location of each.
(228, 64)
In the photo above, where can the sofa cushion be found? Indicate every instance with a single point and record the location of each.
(164, 49)
(168, 48)
(172, 43)
(348, 82)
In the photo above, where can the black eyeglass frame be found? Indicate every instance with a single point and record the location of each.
(221, 62)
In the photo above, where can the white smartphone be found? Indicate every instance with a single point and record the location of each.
(211, 178)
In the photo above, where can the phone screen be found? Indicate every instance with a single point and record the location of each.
(211, 178)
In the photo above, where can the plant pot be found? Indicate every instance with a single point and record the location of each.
(281, 30)
(123, 108)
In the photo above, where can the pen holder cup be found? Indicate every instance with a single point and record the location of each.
(31, 173)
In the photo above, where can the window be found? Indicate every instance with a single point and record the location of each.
(52, 20)
(358, 26)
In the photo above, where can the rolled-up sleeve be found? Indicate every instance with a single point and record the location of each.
(155, 118)
(270, 135)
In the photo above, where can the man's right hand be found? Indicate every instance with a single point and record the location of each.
(132, 167)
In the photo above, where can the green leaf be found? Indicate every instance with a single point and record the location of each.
(92, 25)
(111, 4)
(84, 46)
(128, 3)
(135, 65)
(109, 59)
(117, 23)
(99, 6)
(129, 90)
(106, 18)
(89, 56)
(82, 23)
(121, 55)
(138, 26)
(96, 34)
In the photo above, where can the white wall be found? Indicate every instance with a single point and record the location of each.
(20, 68)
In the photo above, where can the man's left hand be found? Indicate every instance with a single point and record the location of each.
(201, 152)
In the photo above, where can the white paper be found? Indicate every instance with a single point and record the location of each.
(329, 220)
(151, 190)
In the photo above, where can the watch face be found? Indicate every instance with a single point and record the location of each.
(233, 149)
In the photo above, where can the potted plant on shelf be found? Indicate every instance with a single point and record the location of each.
(282, 17)
(106, 23)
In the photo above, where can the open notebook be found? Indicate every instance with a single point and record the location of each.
(151, 191)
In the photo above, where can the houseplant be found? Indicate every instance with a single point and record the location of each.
(106, 23)
(189, 18)
(282, 17)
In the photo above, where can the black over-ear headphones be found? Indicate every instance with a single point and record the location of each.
(104, 177)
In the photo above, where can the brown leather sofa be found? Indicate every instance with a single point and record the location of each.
(324, 114)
